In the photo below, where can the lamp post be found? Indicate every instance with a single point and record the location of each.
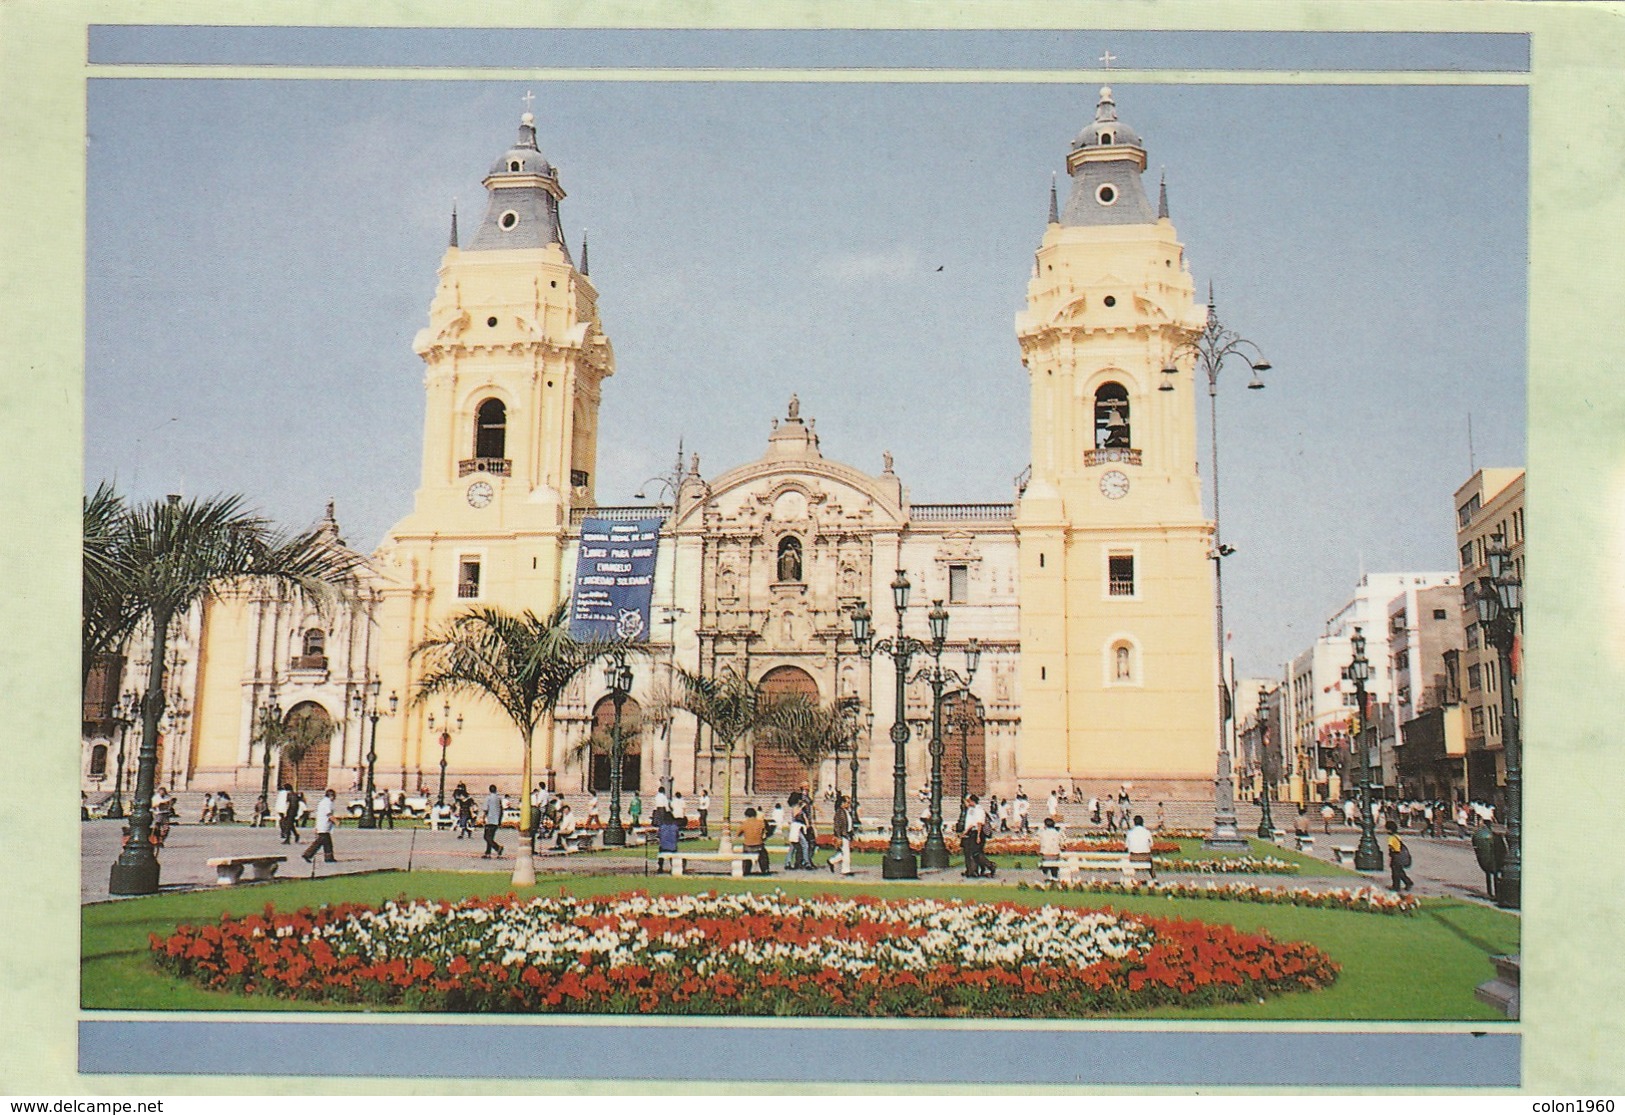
(445, 746)
(965, 720)
(1499, 600)
(619, 676)
(935, 853)
(868, 734)
(899, 861)
(1368, 856)
(672, 487)
(124, 713)
(1209, 350)
(270, 721)
(1266, 823)
(369, 817)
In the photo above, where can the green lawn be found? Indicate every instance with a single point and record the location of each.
(1421, 967)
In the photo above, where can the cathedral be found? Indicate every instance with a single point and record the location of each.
(1089, 595)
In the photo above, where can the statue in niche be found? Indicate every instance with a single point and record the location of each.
(787, 629)
(886, 459)
(1122, 664)
(1001, 686)
(727, 584)
(790, 561)
(795, 409)
(849, 581)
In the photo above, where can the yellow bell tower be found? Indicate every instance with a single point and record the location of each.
(514, 359)
(1119, 673)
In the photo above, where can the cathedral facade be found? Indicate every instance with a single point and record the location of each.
(1090, 593)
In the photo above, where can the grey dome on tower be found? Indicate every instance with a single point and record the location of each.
(1105, 162)
(523, 211)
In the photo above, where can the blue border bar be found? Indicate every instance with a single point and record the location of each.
(840, 1055)
(588, 48)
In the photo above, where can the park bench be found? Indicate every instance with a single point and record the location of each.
(441, 818)
(1342, 852)
(739, 862)
(231, 870)
(1069, 864)
(1306, 843)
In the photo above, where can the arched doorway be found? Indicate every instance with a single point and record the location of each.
(603, 724)
(776, 771)
(309, 724)
(964, 745)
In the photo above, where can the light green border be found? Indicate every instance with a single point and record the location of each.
(1574, 979)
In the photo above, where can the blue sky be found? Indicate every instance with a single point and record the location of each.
(262, 252)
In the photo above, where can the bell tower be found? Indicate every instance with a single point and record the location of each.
(514, 360)
(1118, 661)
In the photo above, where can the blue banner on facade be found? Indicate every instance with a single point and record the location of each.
(615, 576)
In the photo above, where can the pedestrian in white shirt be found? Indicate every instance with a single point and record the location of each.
(1138, 842)
(1049, 849)
(594, 820)
(679, 810)
(1052, 806)
(324, 830)
(1022, 808)
(704, 811)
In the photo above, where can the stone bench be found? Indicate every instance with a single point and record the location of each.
(739, 862)
(231, 870)
(1342, 852)
(1068, 864)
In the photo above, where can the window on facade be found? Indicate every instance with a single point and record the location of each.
(491, 429)
(1472, 636)
(1517, 525)
(1120, 575)
(1468, 510)
(1122, 664)
(1475, 676)
(1440, 613)
(468, 578)
(1477, 718)
(958, 584)
(790, 559)
(1467, 556)
(1402, 660)
(1494, 719)
(1111, 417)
(315, 642)
(98, 761)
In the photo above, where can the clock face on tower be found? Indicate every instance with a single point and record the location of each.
(480, 494)
(1114, 485)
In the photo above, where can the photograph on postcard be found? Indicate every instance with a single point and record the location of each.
(711, 546)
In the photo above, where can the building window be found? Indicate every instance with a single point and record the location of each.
(1111, 417)
(958, 584)
(1402, 660)
(1467, 556)
(1120, 575)
(1440, 613)
(1477, 717)
(1468, 510)
(468, 578)
(491, 429)
(315, 642)
(98, 761)
(1494, 720)
(789, 560)
(1475, 676)
(1517, 525)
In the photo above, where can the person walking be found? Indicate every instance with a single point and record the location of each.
(538, 810)
(679, 812)
(704, 812)
(843, 833)
(1138, 842)
(809, 836)
(1052, 805)
(635, 810)
(595, 817)
(1049, 850)
(1399, 858)
(792, 836)
(1023, 807)
(284, 804)
(324, 830)
(493, 821)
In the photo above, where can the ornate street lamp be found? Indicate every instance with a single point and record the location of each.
(1209, 350)
(1368, 856)
(1266, 823)
(869, 737)
(445, 746)
(124, 714)
(270, 721)
(899, 861)
(369, 816)
(619, 677)
(935, 853)
(1499, 601)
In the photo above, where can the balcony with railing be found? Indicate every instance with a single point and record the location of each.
(963, 512)
(308, 662)
(1119, 456)
(1120, 586)
(495, 466)
(615, 514)
(468, 590)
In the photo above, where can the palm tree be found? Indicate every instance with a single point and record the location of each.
(733, 707)
(523, 664)
(177, 553)
(110, 611)
(808, 731)
(290, 740)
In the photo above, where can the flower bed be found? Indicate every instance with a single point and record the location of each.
(1364, 899)
(1013, 845)
(1231, 865)
(745, 953)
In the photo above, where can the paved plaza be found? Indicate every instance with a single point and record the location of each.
(1442, 866)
